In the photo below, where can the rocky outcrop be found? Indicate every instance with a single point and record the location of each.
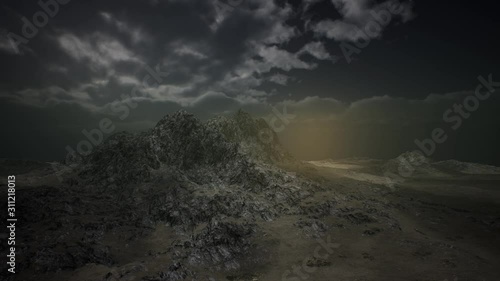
(254, 136)
(210, 181)
(227, 147)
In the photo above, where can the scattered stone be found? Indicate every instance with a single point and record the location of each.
(317, 262)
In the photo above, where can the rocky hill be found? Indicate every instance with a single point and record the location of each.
(209, 181)
(193, 200)
(226, 146)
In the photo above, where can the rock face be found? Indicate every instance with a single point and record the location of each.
(209, 181)
(181, 142)
(254, 136)
(191, 200)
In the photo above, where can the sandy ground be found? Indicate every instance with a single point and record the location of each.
(449, 226)
(425, 229)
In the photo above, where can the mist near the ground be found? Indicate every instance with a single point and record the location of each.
(321, 128)
(385, 127)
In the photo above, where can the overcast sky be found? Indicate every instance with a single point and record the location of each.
(364, 77)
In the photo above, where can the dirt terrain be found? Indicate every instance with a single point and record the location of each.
(253, 220)
(426, 229)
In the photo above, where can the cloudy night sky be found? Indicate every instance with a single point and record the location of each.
(348, 93)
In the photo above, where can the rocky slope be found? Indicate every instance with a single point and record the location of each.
(192, 200)
(221, 149)
(209, 181)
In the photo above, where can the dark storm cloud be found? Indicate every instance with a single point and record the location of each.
(85, 41)
(89, 46)
(362, 19)
(89, 60)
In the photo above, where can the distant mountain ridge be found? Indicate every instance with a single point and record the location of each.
(416, 163)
